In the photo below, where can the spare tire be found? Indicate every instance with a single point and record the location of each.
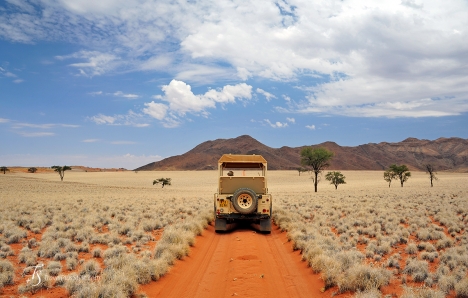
(245, 200)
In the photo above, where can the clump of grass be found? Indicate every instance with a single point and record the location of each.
(14, 234)
(97, 253)
(412, 292)
(419, 270)
(27, 256)
(7, 273)
(411, 249)
(364, 278)
(461, 288)
(37, 282)
(48, 249)
(54, 268)
(71, 263)
(90, 268)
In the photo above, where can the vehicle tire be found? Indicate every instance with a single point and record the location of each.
(244, 200)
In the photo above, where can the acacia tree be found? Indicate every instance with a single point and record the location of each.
(335, 178)
(432, 174)
(388, 176)
(318, 159)
(4, 169)
(61, 170)
(401, 172)
(163, 181)
(32, 170)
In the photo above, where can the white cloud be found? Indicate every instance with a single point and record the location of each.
(155, 110)
(121, 94)
(276, 124)
(103, 119)
(90, 141)
(95, 93)
(129, 119)
(389, 52)
(311, 127)
(3, 120)
(267, 95)
(292, 120)
(182, 100)
(17, 81)
(97, 63)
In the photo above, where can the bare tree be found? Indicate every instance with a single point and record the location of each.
(432, 174)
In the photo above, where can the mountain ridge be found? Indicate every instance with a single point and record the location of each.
(445, 154)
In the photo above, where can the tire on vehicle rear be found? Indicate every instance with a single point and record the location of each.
(245, 200)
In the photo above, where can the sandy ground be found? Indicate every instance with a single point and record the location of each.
(240, 263)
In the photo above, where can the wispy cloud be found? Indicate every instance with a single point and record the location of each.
(129, 119)
(35, 134)
(96, 63)
(43, 126)
(121, 94)
(311, 127)
(90, 141)
(276, 124)
(267, 95)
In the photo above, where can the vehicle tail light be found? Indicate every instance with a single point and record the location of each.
(268, 200)
(264, 210)
(217, 199)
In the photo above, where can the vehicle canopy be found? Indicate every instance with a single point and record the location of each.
(230, 161)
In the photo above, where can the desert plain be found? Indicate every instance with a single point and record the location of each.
(115, 234)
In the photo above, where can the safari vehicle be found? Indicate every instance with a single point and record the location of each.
(242, 192)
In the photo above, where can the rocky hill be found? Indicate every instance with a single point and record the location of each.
(445, 154)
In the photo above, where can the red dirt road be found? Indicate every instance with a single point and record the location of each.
(240, 263)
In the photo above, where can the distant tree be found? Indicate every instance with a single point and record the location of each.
(301, 170)
(335, 178)
(32, 170)
(432, 174)
(4, 169)
(163, 181)
(388, 176)
(401, 172)
(61, 170)
(318, 159)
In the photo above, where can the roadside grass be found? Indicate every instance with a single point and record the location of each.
(111, 233)
(361, 241)
(95, 240)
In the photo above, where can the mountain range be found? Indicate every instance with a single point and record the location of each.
(444, 154)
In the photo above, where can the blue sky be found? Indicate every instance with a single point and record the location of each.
(116, 83)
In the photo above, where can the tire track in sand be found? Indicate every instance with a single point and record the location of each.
(240, 263)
